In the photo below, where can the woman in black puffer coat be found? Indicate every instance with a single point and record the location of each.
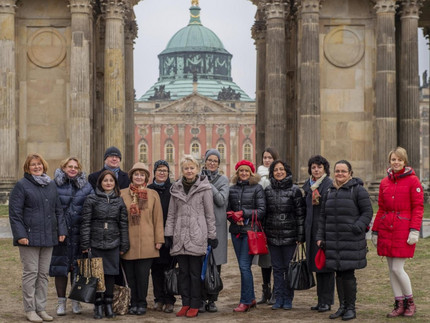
(104, 230)
(72, 188)
(346, 212)
(284, 227)
(246, 197)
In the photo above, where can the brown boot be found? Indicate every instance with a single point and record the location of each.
(398, 310)
(410, 307)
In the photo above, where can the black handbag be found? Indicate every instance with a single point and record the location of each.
(212, 282)
(85, 286)
(299, 275)
(171, 286)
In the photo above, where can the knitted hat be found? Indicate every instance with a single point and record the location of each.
(139, 166)
(159, 163)
(245, 163)
(214, 152)
(112, 151)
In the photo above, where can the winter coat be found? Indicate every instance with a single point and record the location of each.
(345, 214)
(123, 179)
(35, 213)
(246, 196)
(263, 171)
(285, 213)
(311, 222)
(191, 218)
(150, 229)
(401, 203)
(104, 222)
(164, 194)
(72, 194)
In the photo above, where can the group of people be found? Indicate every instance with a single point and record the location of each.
(146, 229)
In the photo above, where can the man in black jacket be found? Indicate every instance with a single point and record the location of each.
(112, 159)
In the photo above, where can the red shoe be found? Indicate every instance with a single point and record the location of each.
(242, 308)
(183, 311)
(192, 312)
(410, 307)
(398, 310)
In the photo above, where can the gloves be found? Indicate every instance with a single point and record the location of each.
(374, 239)
(413, 237)
(168, 242)
(213, 243)
(235, 216)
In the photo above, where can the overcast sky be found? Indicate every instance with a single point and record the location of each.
(231, 20)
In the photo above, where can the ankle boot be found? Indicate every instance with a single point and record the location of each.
(265, 297)
(341, 295)
(108, 308)
(98, 308)
(350, 291)
(410, 307)
(398, 310)
(61, 306)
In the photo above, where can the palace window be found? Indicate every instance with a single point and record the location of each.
(169, 152)
(247, 151)
(195, 150)
(143, 153)
(221, 148)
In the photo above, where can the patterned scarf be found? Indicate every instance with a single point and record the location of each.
(42, 180)
(139, 196)
(314, 187)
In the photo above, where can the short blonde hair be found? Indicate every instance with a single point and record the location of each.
(32, 156)
(401, 153)
(189, 159)
(64, 163)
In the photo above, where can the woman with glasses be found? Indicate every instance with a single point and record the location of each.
(346, 212)
(73, 188)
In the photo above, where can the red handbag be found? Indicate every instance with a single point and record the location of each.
(257, 242)
(320, 259)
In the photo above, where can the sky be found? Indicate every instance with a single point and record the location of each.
(231, 20)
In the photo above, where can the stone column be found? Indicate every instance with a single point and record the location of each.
(8, 126)
(409, 116)
(235, 155)
(259, 35)
(275, 99)
(130, 35)
(309, 127)
(114, 70)
(80, 105)
(386, 97)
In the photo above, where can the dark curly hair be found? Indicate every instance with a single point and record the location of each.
(347, 163)
(319, 160)
(286, 166)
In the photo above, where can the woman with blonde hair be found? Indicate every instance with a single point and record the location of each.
(190, 228)
(396, 227)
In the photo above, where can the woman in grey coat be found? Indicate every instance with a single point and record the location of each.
(220, 189)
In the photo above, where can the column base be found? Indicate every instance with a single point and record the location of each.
(6, 187)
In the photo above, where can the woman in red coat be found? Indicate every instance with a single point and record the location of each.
(397, 224)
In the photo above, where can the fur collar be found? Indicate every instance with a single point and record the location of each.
(254, 179)
(61, 178)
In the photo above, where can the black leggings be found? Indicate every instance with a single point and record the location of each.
(266, 273)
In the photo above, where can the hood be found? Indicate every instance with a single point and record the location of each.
(395, 176)
(201, 184)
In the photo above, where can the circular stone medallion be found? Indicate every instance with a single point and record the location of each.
(46, 48)
(343, 47)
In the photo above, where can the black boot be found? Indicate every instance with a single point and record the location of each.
(350, 290)
(341, 295)
(108, 308)
(98, 308)
(265, 297)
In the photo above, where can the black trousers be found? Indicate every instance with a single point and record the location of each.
(190, 284)
(157, 273)
(325, 288)
(137, 273)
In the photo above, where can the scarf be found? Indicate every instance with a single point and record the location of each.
(139, 195)
(314, 187)
(42, 180)
(114, 170)
(209, 174)
(337, 185)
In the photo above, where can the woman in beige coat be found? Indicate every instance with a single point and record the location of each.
(146, 234)
(190, 227)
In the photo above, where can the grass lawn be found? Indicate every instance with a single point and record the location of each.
(4, 210)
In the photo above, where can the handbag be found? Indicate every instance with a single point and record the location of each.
(171, 276)
(211, 277)
(320, 259)
(96, 269)
(299, 275)
(85, 286)
(121, 297)
(257, 241)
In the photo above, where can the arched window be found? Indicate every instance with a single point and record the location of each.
(143, 153)
(195, 150)
(169, 152)
(247, 151)
(221, 148)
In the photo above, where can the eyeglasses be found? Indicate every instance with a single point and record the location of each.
(73, 167)
(341, 171)
(212, 161)
(162, 171)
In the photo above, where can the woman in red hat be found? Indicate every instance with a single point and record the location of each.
(245, 198)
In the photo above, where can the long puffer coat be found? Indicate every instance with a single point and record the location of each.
(72, 194)
(246, 196)
(285, 215)
(104, 222)
(401, 203)
(345, 214)
(191, 219)
(35, 213)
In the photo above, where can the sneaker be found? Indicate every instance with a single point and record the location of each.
(202, 307)
(76, 307)
(61, 306)
(211, 307)
(33, 317)
(44, 316)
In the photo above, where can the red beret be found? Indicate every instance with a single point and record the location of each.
(320, 259)
(245, 163)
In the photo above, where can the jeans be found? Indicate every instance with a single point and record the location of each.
(281, 257)
(240, 245)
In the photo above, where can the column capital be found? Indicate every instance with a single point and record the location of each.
(410, 8)
(81, 6)
(276, 8)
(385, 6)
(130, 30)
(258, 30)
(114, 9)
(309, 6)
(7, 6)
